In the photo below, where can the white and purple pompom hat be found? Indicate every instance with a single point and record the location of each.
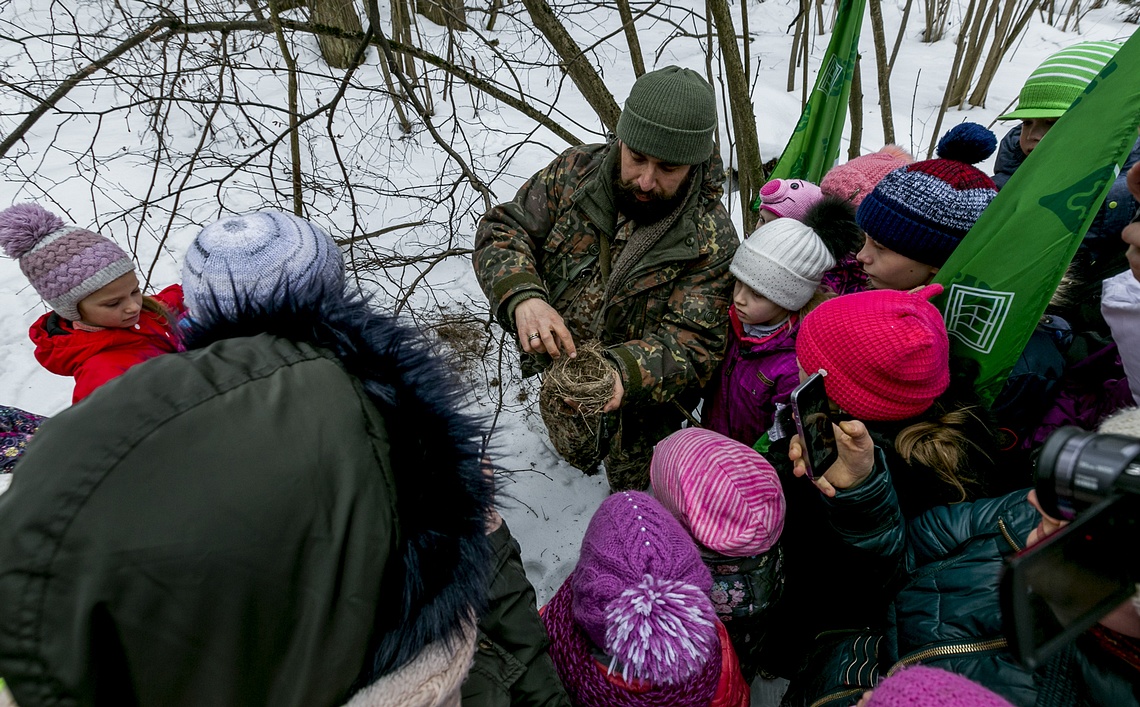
(64, 263)
(641, 592)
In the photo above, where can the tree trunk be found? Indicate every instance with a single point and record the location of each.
(445, 13)
(1003, 42)
(336, 51)
(749, 164)
(899, 37)
(973, 52)
(953, 77)
(575, 64)
(793, 60)
(493, 14)
(855, 109)
(631, 37)
(883, 72)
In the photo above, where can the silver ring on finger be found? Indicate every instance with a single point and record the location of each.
(533, 336)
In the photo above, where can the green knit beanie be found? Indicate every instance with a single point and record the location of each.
(670, 115)
(1053, 86)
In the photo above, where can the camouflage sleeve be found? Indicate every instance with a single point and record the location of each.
(682, 351)
(509, 239)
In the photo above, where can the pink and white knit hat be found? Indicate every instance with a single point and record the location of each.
(63, 263)
(722, 491)
(789, 198)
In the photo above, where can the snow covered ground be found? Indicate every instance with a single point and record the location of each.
(548, 503)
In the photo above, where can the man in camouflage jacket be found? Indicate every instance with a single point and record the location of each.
(627, 243)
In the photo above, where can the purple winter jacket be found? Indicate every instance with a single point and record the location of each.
(740, 401)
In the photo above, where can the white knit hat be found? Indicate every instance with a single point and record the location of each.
(259, 260)
(783, 261)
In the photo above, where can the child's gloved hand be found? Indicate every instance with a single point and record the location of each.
(855, 463)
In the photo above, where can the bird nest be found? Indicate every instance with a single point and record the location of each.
(588, 380)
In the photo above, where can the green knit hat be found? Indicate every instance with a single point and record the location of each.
(670, 115)
(1053, 86)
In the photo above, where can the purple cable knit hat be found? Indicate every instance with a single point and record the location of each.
(921, 686)
(723, 491)
(789, 198)
(64, 263)
(641, 591)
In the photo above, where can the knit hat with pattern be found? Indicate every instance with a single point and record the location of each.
(920, 686)
(1053, 86)
(783, 261)
(789, 198)
(63, 263)
(855, 179)
(923, 210)
(260, 260)
(722, 491)
(886, 352)
(641, 591)
(670, 115)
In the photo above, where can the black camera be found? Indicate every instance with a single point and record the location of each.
(1061, 586)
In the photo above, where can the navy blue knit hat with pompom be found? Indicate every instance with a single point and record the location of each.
(923, 210)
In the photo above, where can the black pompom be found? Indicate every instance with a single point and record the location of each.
(833, 220)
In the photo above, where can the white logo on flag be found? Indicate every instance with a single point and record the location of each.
(975, 316)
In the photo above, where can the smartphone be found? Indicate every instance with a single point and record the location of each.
(1061, 586)
(812, 412)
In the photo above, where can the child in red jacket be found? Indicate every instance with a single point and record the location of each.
(101, 323)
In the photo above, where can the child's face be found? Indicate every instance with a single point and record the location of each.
(752, 308)
(889, 270)
(1032, 130)
(116, 305)
(766, 217)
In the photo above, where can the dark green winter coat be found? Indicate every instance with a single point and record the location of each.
(948, 616)
(512, 666)
(270, 519)
(666, 324)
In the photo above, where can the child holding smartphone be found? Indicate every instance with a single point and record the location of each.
(779, 270)
(100, 324)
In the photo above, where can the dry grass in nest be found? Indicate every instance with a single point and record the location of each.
(587, 379)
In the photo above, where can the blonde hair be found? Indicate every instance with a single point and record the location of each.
(818, 297)
(152, 305)
(943, 444)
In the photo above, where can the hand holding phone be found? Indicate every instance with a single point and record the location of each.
(831, 449)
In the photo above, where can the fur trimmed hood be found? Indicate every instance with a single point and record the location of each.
(285, 513)
(443, 495)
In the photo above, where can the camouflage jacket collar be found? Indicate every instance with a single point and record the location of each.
(596, 200)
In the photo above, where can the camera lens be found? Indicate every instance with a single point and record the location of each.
(1078, 468)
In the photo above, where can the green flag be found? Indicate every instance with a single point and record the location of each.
(1000, 278)
(814, 145)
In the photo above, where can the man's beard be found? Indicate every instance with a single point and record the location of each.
(648, 212)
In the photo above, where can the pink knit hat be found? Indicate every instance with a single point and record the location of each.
(886, 352)
(722, 491)
(921, 686)
(789, 198)
(641, 591)
(858, 177)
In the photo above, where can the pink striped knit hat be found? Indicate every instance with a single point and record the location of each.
(722, 491)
